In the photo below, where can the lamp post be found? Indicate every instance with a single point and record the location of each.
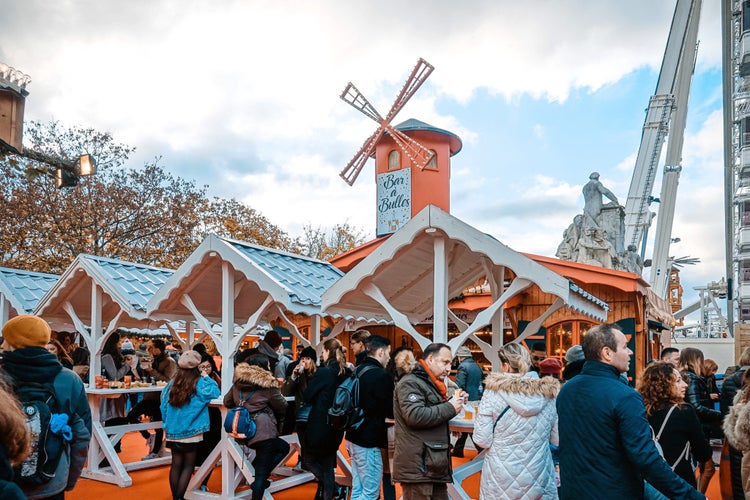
(12, 104)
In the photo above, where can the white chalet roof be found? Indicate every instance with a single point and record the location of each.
(294, 282)
(402, 270)
(24, 289)
(126, 288)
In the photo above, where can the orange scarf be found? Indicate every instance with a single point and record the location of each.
(439, 384)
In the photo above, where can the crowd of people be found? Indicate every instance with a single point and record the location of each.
(547, 428)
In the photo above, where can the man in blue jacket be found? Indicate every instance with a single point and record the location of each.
(606, 449)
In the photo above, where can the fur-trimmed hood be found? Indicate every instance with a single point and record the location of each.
(528, 385)
(527, 395)
(250, 375)
(737, 424)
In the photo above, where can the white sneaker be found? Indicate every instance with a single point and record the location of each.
(150, 456)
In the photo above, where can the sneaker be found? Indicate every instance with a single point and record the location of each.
(150, 456)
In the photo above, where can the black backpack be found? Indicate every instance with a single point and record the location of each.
(39, 404)
(345, 412)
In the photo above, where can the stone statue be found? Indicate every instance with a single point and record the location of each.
(596, 236)
(592, 199)
(631, 260)
(596, 249)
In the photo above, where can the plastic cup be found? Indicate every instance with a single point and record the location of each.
(98, 382)
(127, 380)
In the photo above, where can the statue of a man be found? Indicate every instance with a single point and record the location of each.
(592, 197)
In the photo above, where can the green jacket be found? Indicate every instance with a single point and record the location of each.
(422, 446)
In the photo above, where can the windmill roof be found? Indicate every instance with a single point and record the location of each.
(413, 124)
(24, 289)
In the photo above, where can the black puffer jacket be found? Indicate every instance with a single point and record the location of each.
(319, 393)
(729, 389)
(266, 401)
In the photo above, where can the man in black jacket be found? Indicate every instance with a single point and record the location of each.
(376, 401)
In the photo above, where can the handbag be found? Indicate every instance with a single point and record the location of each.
(240, 422)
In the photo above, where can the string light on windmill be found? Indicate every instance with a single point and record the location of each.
(417, 154)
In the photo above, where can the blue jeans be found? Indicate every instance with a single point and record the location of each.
(367, 471)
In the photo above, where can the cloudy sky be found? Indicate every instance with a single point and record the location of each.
(242, 96)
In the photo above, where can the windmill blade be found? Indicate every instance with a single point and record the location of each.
(419, 74)
(356, 164)
(418, 154)
(354, 97)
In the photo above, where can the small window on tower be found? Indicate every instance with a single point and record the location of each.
(394, 160)
(433, 162)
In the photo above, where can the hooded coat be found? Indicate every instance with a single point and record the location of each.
(265, 401)
(519, 461)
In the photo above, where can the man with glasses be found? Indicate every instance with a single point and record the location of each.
(538, 354)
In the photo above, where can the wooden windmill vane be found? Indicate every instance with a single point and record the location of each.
(418, 154)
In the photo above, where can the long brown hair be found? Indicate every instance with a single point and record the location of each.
(656, 385)
(13, 432)
(335, 354)
(62, 354)
(692, 359)
(183, 386)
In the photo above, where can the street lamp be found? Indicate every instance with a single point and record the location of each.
(12, 103)
(84, 167)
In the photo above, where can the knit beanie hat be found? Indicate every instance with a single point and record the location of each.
(189, 359)
(575, 353)
(309, 352)
(26, 330)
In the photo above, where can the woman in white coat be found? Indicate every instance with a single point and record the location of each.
(517, 421)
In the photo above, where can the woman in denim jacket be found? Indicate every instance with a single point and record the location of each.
(184, 409)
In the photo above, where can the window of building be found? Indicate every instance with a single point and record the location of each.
(563, 336)
(433, 162)
(394, 160)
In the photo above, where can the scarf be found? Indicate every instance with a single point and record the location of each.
(439, 384)
(31, 364)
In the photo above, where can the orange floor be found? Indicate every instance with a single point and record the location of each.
(153, 484)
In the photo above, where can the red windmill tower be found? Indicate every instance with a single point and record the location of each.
(412, 159)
